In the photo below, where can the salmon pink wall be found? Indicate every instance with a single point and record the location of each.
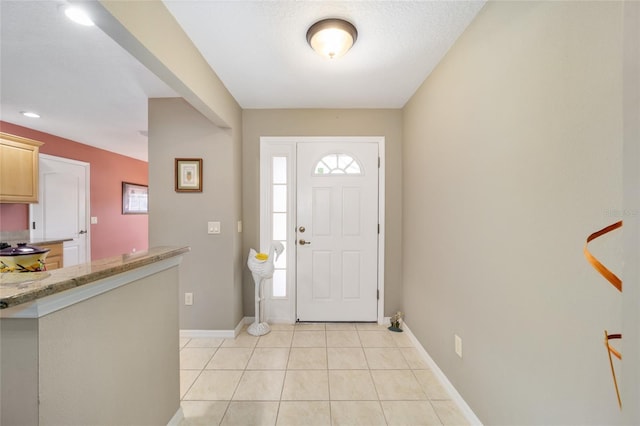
(14, 217)
(115, 233)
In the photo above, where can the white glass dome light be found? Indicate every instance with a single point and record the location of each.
(30, 114)
(78, 15)
(332, 38)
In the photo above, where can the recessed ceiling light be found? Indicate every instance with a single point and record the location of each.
(78, 16)
(30, 114)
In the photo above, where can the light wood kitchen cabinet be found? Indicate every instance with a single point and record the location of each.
(18, 169)
(54, 259)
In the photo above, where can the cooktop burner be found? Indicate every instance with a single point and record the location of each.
(4, 245)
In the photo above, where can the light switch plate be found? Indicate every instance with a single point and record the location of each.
(94, 220)
(213, 227)
(458, 345)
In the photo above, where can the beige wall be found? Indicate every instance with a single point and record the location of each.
(212, 270)
(112, 359)
(324, 122)
(109, 360)
(631, 273)
(18, 371)
(512, 155)
(214, 274)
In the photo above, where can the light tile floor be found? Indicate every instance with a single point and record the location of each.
(311, 374)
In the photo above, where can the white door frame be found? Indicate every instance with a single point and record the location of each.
(286, 146)
(87, 226)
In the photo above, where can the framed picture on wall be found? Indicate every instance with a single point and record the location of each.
(188, 174)
(135, 198)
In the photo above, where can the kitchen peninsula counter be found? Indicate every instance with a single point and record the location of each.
(39, 241)
(20, 288)
(93, 344)
(15, 237)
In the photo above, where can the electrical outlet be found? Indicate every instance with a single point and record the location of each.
(188, 299)
(458, 345)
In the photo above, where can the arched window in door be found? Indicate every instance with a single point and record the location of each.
(337, 164)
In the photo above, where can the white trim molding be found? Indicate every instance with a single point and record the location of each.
(220, 334)
(177, 418)
(283, 310)
(467, 412)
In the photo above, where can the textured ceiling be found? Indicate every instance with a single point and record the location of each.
(259, 49)
(85, 87)
(89, 89)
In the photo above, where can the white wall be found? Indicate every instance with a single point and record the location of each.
(512, 156)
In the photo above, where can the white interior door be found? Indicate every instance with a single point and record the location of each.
(337, 232)
(62, 210)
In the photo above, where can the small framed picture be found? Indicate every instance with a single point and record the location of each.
(188, 174)
(135, 198)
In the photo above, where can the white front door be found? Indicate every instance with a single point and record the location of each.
(62, 208)
(337, 232)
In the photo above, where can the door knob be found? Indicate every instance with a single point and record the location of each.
(303, 242)
(82, 232)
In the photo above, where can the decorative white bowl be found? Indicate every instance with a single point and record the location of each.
(23, 258)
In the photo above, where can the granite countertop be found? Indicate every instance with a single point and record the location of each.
(48, 241)
(17, 288)
(39, 241)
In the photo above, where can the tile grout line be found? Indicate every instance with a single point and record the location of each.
(199, 373)
(404, 355)
(326, 351)
(284, 380)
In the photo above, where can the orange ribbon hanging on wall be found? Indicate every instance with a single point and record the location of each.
(617, 283)
(604, 271)
(612, 350)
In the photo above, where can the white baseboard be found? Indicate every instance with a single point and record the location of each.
(177, 418)
(444, 381)
(225, 334)
(241, 324)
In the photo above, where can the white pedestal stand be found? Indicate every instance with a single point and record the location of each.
(262, 267)
(258, 328)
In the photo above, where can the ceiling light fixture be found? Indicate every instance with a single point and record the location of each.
(332, 37)
(30, 114)
(78, 16)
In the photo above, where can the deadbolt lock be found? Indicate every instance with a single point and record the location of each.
(302, 229)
